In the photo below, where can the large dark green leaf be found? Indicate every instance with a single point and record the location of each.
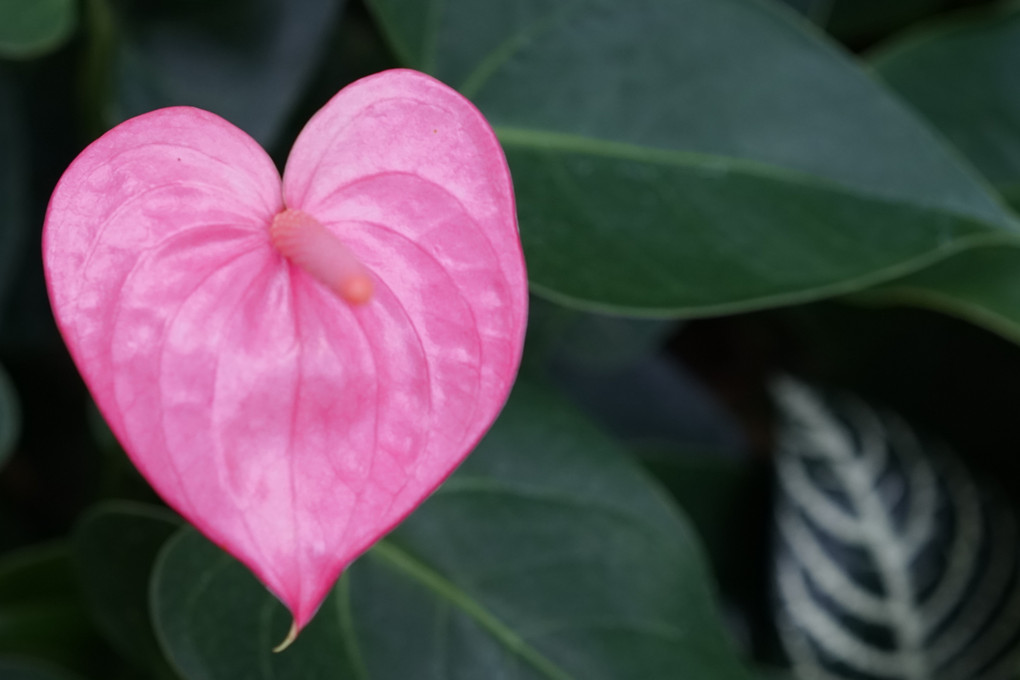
(31, 28)
(961, 74)
(115, 547)
(1012, 195)
(697, 156)
(549, 554)
(217, 622)
(816, 10)
(246, 60)
(981, 285)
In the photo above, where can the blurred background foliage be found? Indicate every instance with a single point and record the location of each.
(711, 193)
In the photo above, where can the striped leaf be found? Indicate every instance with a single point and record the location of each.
(890, 561)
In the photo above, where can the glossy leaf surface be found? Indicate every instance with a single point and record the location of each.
(816, 11)
(549, 554)
(981, 285)
(960, 66)
(289, 425)
(950, 71)
(643, 185)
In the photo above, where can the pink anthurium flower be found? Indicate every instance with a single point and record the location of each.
(294, 365)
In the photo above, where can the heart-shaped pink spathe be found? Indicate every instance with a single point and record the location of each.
(292, 417)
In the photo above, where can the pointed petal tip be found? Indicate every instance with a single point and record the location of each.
(289, 640)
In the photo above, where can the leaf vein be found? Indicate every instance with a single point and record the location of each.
(416, 569)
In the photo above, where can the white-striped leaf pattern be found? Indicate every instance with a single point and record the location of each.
(890, 561)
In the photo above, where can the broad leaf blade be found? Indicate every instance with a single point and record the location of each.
(1012, 195)
(215, 621)
(961, 74)
(980, 285)
(644, 186)
(115, 546)
(714, 242)
(522, 566)
(817, 11)
(32, 28)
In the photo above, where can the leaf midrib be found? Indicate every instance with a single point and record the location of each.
(992, 234)
(714, 164)
(404, 561)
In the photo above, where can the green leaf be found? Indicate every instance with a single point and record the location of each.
(246, 60)
(549, 554)
(10, 417)
(817, 11)
(961, 74)
(41, 613)
(1011, 192)
(692, 157)
(981, 285)
(216, 621)
(115, 547)
(32, 28)
(23, 669)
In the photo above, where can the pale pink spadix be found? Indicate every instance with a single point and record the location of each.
(294, 365)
